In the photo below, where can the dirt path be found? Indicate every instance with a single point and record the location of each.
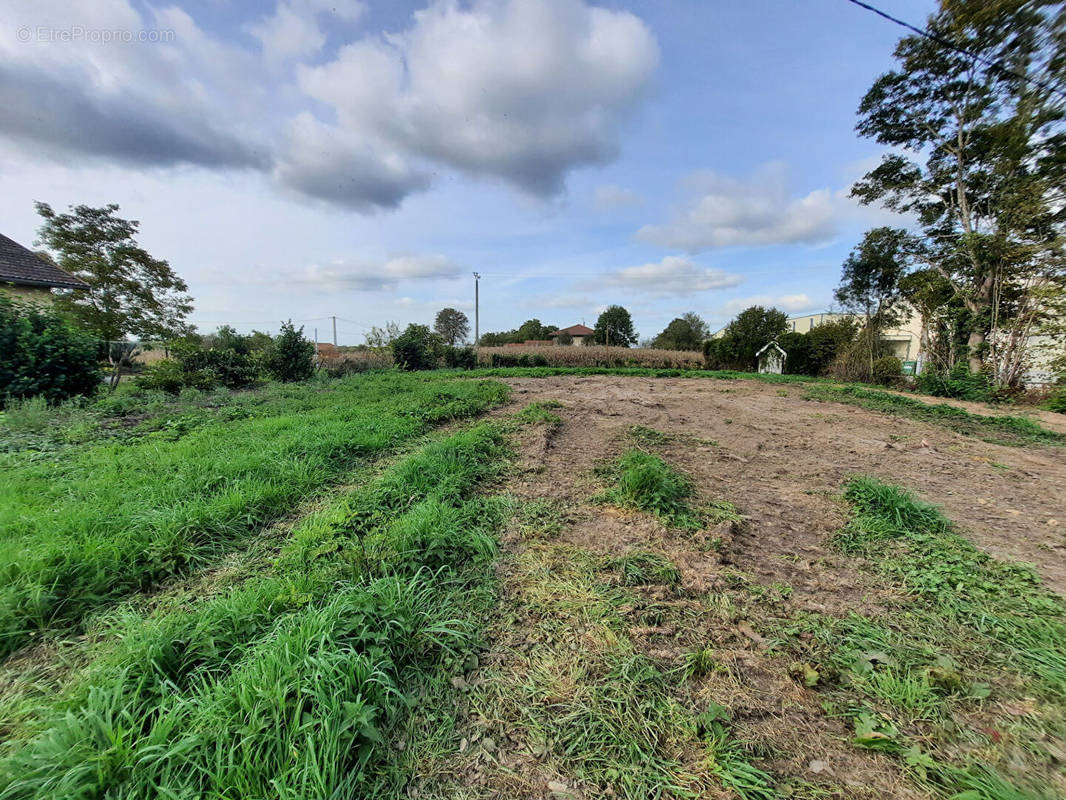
(778, 456)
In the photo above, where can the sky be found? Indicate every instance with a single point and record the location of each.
(304, 159)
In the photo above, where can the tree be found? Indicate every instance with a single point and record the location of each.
(977, 140)
(130, 292)
(416, 348)
(753, 328)
(382, 337)
(686, 332)
(615, 327)
(531, 329)
(929, 294)
(452, 325)
(869, 285)
(292, 357)
(826, 341)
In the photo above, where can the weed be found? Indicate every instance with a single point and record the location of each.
(540, 411)
(1014, 431)
(645, 482)
(648, 436)
(540, 519)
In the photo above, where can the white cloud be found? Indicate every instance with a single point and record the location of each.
(293, 30)
(671, 276)
(792, 303)
(612, 197)
(367, 275)
(726, 212)
(510, 89)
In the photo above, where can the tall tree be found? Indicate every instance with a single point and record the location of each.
(742, 338)
(615, 327)
(452, 325)
(978, 141)
(686, 332)
(130, 292)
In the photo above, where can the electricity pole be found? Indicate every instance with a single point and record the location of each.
(334, 331)
(477, 332)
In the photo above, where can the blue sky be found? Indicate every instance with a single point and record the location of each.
(315, 157)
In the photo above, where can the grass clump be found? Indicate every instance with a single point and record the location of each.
(645, 482)
(542, 412)
(1006, 430)
(649, 436)
(540, 519)
(642, 568)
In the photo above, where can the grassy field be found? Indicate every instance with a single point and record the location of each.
(619, 587)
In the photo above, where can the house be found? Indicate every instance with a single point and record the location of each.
(27, 276)
(771, 359)
(577, 335)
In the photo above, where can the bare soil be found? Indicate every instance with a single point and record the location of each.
(782, 461)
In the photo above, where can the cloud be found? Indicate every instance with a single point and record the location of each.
(793, 303)
(612, 197)
(293, 30)
(671, 276)
(725, 212)
(370, 276)
(519, 91)
(327, 163)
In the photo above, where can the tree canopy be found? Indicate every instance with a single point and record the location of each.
(742, 338)
(452, 325)
(686, 332)
(615, 327)
(130, 291)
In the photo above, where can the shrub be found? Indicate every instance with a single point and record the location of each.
(416, 348)
(887, 370)
(959, 383)
(41, 354)
(460, 357)
(232, 369)
(1057, 401)
(163, 376)
(291, 357)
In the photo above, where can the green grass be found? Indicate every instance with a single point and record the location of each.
(642, 568)
(291, 684)
(540, 411)
(645, 482)
(104, 520)
(1007, 430)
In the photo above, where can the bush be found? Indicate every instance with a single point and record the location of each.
(1056, 401)
(162, 376)
(887, 370)
(416, 348)
(959, 383)
(291, 357)
(797, 353)
(523, 360)
(460, 357)
(41, 354)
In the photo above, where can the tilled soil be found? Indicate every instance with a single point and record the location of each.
(782, 462)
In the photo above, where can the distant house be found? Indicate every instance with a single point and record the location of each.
(578, 335)
(26, 275)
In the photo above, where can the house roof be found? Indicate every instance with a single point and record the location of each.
(23, 267)
(574, 330)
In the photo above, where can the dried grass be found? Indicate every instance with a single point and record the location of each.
(595, 356)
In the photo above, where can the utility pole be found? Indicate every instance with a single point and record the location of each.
(316, 348)
(334, 331)
(477, 331)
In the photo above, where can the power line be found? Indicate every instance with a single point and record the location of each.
(997, 65)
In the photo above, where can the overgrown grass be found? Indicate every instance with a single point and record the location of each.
(642, 567)
(1013, 431)
(291, 684)
(643, 481)
(108, 519)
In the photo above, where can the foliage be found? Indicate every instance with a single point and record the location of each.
(687, 332)
(1056, 401)
(975, 157)
(530, 330)
(417, 348)
(742, 338)
(460, 357)
(130, 291)
(291, 357)
(958, 383)
(645, 482)
(42, 355)
(167, 376)
(587, 356)
(887, 370)
(614, 327)
(79, 535)
(382, 337)
(452, 325)
(227, 367)
(508, 359)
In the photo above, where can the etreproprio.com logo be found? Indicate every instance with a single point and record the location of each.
(78, 33)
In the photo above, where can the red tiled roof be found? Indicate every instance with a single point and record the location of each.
(574, 330)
